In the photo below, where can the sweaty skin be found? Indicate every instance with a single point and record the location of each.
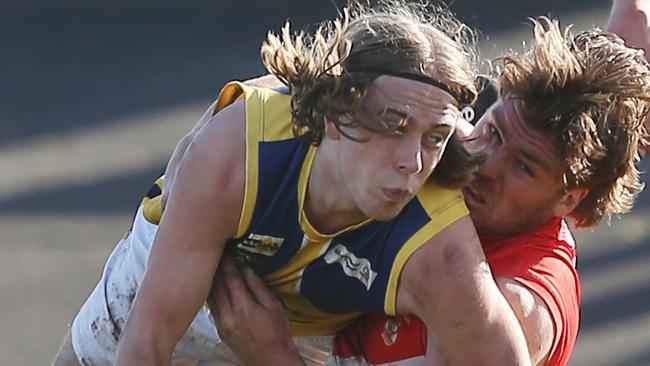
(199, 219)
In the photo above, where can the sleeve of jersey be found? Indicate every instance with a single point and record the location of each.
(548, 272)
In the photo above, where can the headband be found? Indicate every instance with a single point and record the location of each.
(412, 76)
(466, 111)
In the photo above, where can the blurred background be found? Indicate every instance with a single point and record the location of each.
(94, 96)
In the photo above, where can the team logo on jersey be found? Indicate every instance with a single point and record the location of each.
(261, 244)
(391, 326)
(358, 268)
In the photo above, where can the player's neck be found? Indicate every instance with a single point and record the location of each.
(328, 205)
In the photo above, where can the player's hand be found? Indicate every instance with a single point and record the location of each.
(249, 318)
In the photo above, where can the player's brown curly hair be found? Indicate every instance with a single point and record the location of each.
(591, 93)
(324, 70)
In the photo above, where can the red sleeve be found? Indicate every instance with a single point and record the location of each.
(548, 271)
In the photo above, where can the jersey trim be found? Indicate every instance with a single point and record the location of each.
(151, 209)
(310, 231)
(229, 94)
(444, 208)
(258, 112)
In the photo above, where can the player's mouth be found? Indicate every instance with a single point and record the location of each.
(473, 198)
(396, 194)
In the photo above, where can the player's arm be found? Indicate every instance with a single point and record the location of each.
(630, 19)
(202, 213)
(534, 317)
(365, 338)
(265, 81)
(449, 285)
(179, 151)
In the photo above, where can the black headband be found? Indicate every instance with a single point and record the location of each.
(412, 76)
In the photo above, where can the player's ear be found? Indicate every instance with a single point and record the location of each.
(570, 201)
(330, 129)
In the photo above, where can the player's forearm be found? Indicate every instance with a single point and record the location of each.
(469, 320)
(135, 348)
(481, 329)
(139, 356)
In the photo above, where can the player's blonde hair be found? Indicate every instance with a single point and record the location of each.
(324, 71)
(591, 94)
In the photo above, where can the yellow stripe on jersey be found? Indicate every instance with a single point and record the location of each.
(262, 105)
(303, 181)
(304, 318)
(305, 225)
(274, 107)
(228, 95)
(151, 209)
(253, 115)
(444, 207)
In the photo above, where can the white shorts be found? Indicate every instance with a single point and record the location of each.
(96, 328)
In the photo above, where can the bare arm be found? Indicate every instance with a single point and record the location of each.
(630, 20)
(202, 213)
(534, 318)
(448, 284)
(266, 81)
(179, 151)
(258, 332)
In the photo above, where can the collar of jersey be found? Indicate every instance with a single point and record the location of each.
(305, 225)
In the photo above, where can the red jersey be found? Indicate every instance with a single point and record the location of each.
(542, 260)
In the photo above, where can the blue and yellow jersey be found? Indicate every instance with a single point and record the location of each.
(324, 281)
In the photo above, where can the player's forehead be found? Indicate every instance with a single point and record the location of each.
(529, 142)
(411, 99)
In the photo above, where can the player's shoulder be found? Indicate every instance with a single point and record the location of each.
(251, 93)
(436, 200)
(447, 231)
(267, 110)
(552, 242)
(219, 148)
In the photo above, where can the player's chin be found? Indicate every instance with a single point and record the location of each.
(387, 212)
